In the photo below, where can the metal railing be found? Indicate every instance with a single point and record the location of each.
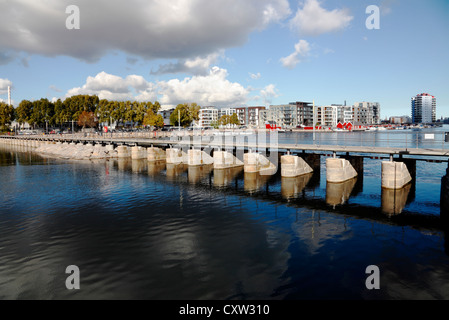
(396, 139)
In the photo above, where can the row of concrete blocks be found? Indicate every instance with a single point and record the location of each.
(395, 175)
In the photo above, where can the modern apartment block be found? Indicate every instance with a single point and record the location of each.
(254, 116)
(327, 116)
(304, 111)
(207, 116)
(242, 115)
(285, 116)
(424, 108)
(226, 112)
(367, 113)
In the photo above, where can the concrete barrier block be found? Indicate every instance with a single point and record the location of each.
(156, 154)
(293, 166)
(224, 160)
(339, 170)
(395, 175)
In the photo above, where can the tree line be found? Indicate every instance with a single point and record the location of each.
(85, 110)
(89, 111)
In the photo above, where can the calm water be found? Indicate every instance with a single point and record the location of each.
(141, 231)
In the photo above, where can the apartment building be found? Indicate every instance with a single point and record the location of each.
(424, 108)
(304, 112)
(207, 116)
(254, 116)
(285, 116)
(367, 113)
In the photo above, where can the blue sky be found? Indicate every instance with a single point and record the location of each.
(228, 52)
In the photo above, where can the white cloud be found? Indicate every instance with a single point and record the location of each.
(54, 88)
(268, 93)
(112, 87)
(213, 89)
(255, 76)
(302, 49)
(4, 83)
(386, 6)
(197, 66)
(313, 20)
(152, 29)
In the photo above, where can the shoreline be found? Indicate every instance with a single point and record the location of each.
(64, 151)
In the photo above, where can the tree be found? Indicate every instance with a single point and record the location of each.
(6, 115)
(188, 113)
(154, 120)
(224, 120)
(23, 111)
(234, 119)
(87, 119)
(103, 111)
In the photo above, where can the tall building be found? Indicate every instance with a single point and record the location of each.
(304, 111)
(327, 116)
(424, 108)
(242, 115)
(254, 116)
(226, 112)
(284, 116)
(207, 116)
(367, 113)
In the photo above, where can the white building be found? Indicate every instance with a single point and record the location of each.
(424, 108)
(367, 113)
(284, 116)
(327, 116)
(207, 117)
(226, 112)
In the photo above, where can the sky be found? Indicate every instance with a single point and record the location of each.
(227, 53)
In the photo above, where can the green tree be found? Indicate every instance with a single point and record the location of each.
(153, 120)
(224, 120)
(6, 115)
(188, 113)
(23, 111)
(234, 119)
(141, 109)
(104, 111)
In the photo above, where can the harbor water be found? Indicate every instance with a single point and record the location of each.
(141, 230)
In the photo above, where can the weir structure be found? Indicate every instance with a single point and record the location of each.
(298, 164)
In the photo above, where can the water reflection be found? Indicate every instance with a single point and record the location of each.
(175, 170)
(254, 181)
(155, 167)
(123, 164)
(199, 173)
(139, 166)
(394, 201)
(292, 187)
(339, 193)
(224, 177)
(148, 238)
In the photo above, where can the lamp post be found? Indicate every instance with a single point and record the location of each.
(314, 134)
